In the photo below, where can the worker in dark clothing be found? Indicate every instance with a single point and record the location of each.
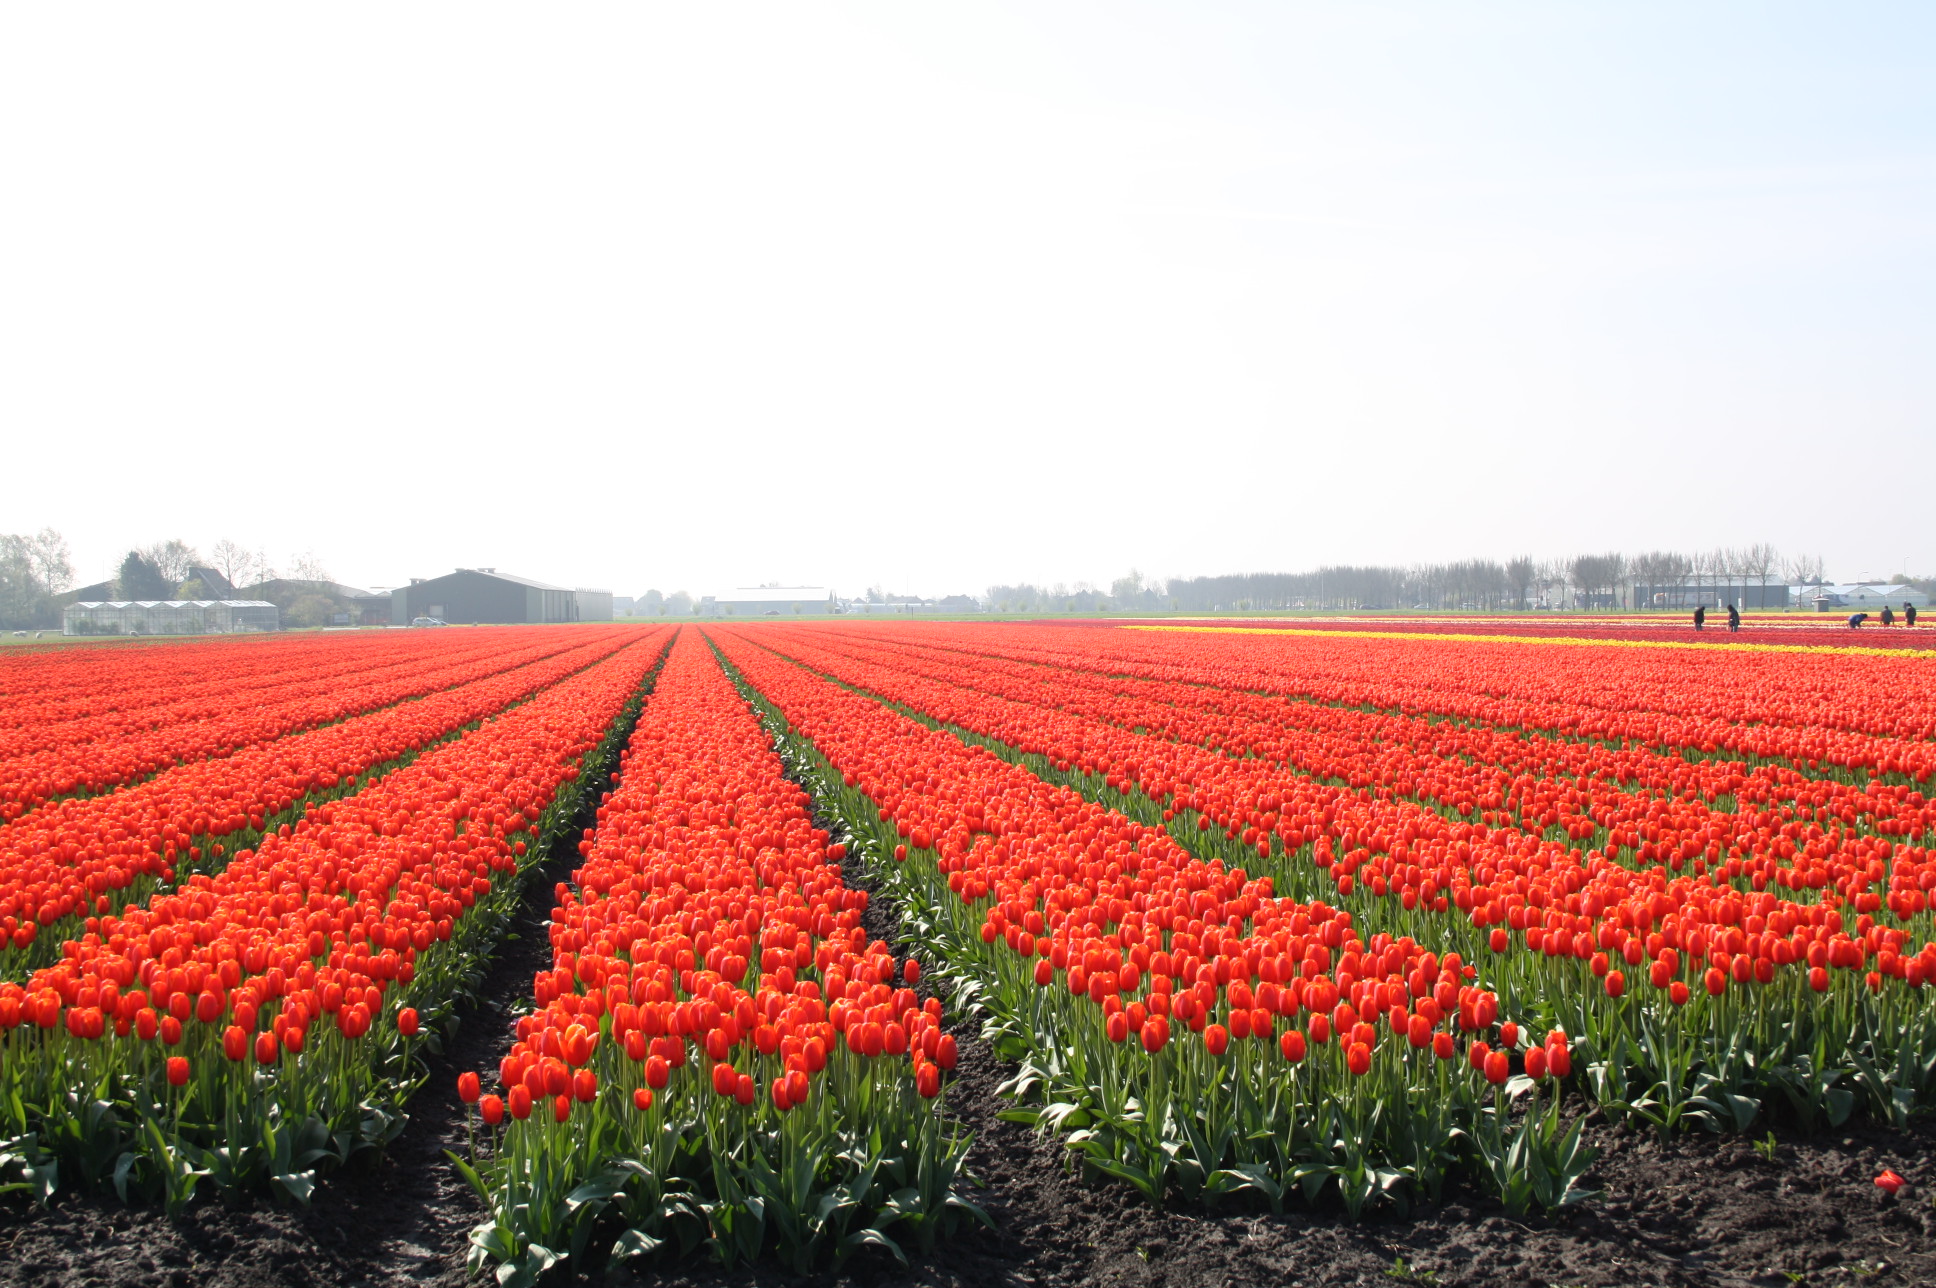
(1700, 617)
(1888, 616)
(1908, 613)
(1856, 620)
(1734, 619)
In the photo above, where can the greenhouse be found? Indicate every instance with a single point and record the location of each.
(170, 617)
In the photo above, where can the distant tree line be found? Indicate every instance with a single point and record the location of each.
(1606, 580)
(37, 579)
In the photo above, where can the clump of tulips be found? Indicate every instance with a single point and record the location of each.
(1191, 1032)
(718, 1055)
(90, 857)
(255, 1025)
(1812, 997)
(136, 713)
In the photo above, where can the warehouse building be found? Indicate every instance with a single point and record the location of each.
(1866, 596)
(768, 601)
(169, 617)
(473, 595)
(594, 605)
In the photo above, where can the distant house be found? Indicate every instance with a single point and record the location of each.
(99, 591)
(959, 604)
(213, 582)
(349, 605)
(769, 601)
(472, 595)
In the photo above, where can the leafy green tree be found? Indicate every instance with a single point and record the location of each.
(140, 578)
(310, 610)
(34, 570)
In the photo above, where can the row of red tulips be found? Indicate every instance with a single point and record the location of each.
(255, 1024)
(89, 857)
(268, 696)
(69, 683)
(1190, 1030)
(1637, 803)
(717, 1053)
(1839, 712)
(1586, 919)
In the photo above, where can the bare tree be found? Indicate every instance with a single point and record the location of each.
(173, 557)
(1644, 569)
(239, 565)
(1803, 570)
(307, 567)
(1760, 562)
(1596, 572)
(1519, 577)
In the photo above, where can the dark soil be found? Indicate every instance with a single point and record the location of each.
(1691, 1211)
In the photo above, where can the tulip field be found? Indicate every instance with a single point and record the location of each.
(1263, 915)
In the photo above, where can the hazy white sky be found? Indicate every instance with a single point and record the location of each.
(943, 295)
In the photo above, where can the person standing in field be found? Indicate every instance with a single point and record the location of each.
(1888, 616)
(1856, 620)
(1700, 617)
(1908, 613)
(1734, 619)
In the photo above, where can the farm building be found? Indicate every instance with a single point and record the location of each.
(1711, 594)
(768, 601)
(594, 605)
(169, 617)
(472, 595)
(1865, 597)
(324, 603)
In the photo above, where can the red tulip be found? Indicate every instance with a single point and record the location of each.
(1889, 1182)
(177, 1071)
(491, 1108)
